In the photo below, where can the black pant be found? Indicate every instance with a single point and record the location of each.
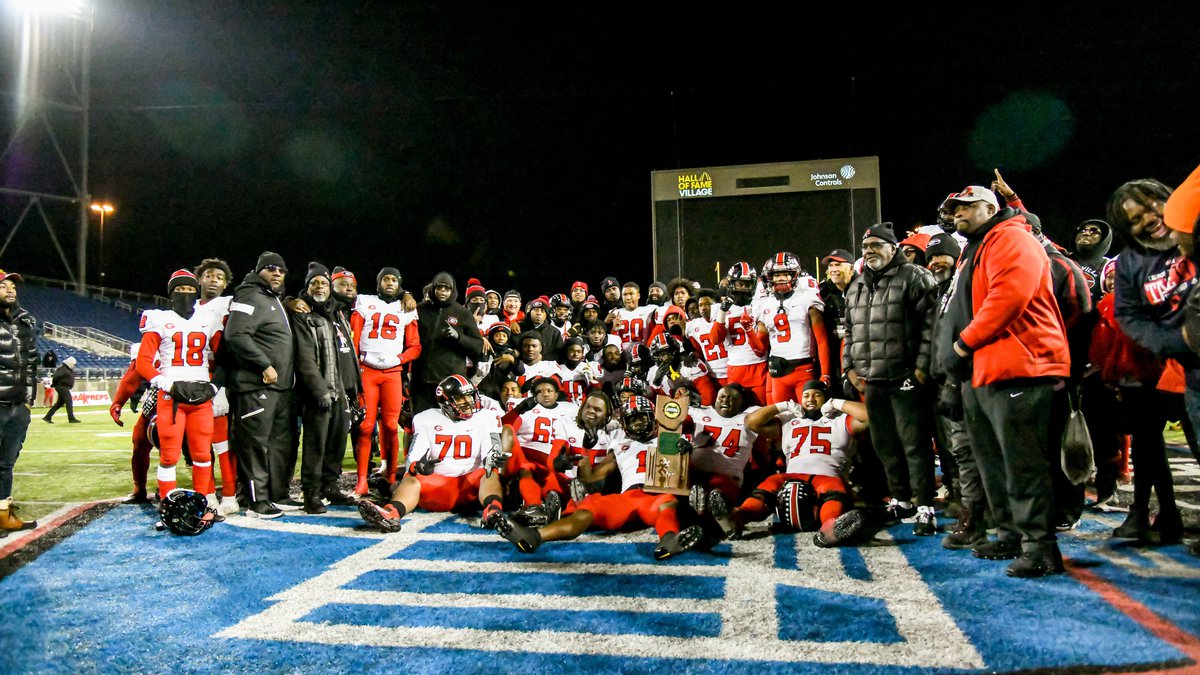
(422, 396)
(324, 438)
(900, 433)
(63, 395)
(1145, 416)
(1102, 410)
(14, 422)
(1008, 425)
(261, 435)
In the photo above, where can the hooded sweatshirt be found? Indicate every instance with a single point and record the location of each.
(1091, 259)
(443, 356)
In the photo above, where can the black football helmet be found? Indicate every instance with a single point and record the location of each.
(152, 431)
(637, 418)
(742, 293)
(457, 397)
(186, 512)
(664, 348)
(637, 360)
(796, 505)
(632, 385)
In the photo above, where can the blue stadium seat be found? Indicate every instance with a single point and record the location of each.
(67, 309)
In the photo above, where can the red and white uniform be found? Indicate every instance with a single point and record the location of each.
(697, 374)
(614, 512)
(747, 365)
(578, 381)
(568, 434)
(711, 335)
(175, 349)
(727, 445)
(539, 369)
(217, 309)
(386, 337)
(789, 330)
(633, 325)
(534, 429)
(459, 446)
(816, 447)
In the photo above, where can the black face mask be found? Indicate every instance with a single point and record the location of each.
(344, 299)
(572, 363)
(388, 297)
(183, 304)
(813, 415)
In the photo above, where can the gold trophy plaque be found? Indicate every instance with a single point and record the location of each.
(666, 468)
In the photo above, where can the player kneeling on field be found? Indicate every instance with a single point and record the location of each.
(815, 444)
(614, 512)
(456, 456)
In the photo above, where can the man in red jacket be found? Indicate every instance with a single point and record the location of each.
(1013, 336)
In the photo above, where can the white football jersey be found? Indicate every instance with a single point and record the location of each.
(633, 325)
(817, 447)
(631, 460)
(727, 443)
(216, 309)
(716, 355)
(693, 373)
(568, 430)
(737, 341)
(539, 369)
(535, 433)
(384, 324)
(787, 322)
(579, 381)
(185, 347)
(459, 446)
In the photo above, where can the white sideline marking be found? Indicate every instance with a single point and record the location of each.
(748, 607)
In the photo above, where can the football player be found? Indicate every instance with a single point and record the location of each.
(457, 456)
(585, 439)
(577, 374)
(722, 445)
(616, 511)
(672, 368)
(387, 339)
(816, 440)
(792, 320)
(533, 363)
(142, 447)
(175, 356)
(532, 423)
(214, 275)
(710, 336)
(560, 316)
(631, 322)
(746, 366)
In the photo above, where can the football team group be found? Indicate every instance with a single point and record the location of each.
(953, 356)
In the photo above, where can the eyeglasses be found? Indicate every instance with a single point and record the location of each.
(275, 268)
(874, 246)
(1090, 229)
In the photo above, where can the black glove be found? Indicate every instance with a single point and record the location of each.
(726, 303)
(949, 402)
(565, 460)
(590, 437)
(526, 405)
(659, 374)
(449, 333)
(423, 467)
(357, 414)
(685, 445)
(325, 402)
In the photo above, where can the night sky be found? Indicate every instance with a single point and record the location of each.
(515, 144)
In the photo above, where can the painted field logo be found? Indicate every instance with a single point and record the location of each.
(695, 185)
(847, 172)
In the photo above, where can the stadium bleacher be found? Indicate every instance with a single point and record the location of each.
(85, 360)
(67, 309)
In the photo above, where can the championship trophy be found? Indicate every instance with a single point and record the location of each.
(666, 467)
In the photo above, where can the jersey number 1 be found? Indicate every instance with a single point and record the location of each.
(194, 355)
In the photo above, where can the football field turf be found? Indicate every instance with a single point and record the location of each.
(326, 594)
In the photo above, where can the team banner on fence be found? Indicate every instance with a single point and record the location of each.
(91, 398)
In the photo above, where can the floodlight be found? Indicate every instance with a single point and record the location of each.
(71, 8)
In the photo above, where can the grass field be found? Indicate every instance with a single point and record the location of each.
(63, 462)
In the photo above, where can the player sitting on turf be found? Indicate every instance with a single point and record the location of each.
(456, 456)
(532, 423)
(722, 446)
(581, 444)
(614, 512)
(815, 444)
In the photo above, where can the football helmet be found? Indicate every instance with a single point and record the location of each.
(664, 348)
(632, 385)
(458, 398)
(152, 431)
(742, 293)
(637, 418)
(782, 262)
(796, 505)
(186, 512)
(637, 359)
(559, 300)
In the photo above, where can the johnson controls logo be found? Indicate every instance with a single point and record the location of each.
(832, 179)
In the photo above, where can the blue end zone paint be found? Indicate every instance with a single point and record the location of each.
(119, 597)
(544, 583)
(785, 553)
(853, 563)
(489, 618)
(499, 550)
(807, 614)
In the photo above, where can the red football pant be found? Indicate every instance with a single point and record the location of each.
(381, 389)
(728, 487)
(787, 388)
(140, 463)
(752, 378)
(196, 421)
(613, 512)
(542, 479)
(449, 493)
(227, 460)
(755, 509)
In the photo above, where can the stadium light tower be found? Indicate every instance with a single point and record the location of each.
(104, 209)
(53, 79)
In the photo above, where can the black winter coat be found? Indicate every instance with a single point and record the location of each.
(325, 357)
(63, 377)
(18, 357)
(442, 357)
(257, 335)
(889, 320)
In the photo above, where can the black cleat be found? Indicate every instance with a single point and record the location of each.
(526, 539)
(698, 499)
(841, 530)
(533, 516)
(672, 544)
(383, 517)
(552, 505)
(380, 484)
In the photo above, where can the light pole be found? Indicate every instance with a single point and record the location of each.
(104, 209)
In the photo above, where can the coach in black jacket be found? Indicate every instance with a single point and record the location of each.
(18, 375)
(886, 355)
(449, 337)
(259, 338)
(327, 382)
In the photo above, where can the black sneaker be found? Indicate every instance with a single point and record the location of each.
(526, 539)
(1136, 525)
(1033, 565)
(288, 504)
(313, 504)
(334, 495)
(75, 421)
(968, 537)
(673, 544)
(896, 512)
(926, 525)
(136, 498)
(263, 510)
(997, 549)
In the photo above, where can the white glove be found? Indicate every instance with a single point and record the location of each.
(789, 407)
(220, 403)
(832, 406)
(163, 383)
